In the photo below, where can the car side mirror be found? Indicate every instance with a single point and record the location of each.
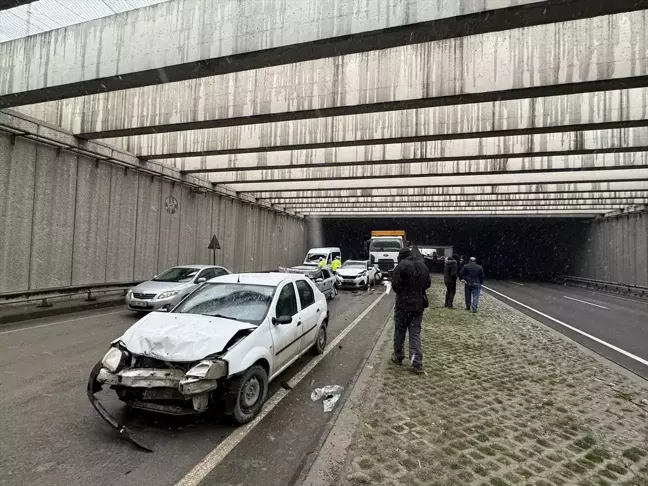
(281, 320)
(201, 280)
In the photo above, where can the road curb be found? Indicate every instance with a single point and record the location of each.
(328, 458)
(57, 311)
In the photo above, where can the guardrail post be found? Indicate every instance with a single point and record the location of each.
(90, 297)
(44, 303)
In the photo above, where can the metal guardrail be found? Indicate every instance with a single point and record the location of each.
(616, 287)
(45, 295)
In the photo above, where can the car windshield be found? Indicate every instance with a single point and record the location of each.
(386, 245)
(177, 274)
(360, 265)
(315, 257)
(237, 301)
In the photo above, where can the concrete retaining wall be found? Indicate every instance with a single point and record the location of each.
(66, 219)
(616, 250)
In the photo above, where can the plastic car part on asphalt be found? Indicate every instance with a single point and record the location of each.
(331, 394)
(93, 387)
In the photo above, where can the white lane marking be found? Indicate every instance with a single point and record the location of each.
(211, 460)
(589, 336)
(511, 281)
(584, 302)
(59, 322)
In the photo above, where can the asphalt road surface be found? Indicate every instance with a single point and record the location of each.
(618, 321)
(50, 434)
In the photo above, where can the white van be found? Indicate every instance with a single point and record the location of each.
(328, 254)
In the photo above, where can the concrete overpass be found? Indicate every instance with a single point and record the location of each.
(487, 108)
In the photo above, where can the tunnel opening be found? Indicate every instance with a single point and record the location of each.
(525, 248)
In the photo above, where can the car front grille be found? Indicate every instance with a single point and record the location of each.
(386, 265)
(142, 296)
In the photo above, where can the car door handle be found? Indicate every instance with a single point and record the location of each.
(318, 310)
(299, 323)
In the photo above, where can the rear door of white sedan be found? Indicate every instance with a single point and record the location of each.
(310, 312)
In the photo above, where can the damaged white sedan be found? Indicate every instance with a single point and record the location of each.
(216, 350)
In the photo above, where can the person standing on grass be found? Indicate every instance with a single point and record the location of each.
(410, 281)
(472, 275)
(450, 274)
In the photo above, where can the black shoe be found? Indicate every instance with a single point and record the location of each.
(474, 312)
(395, 360)
(467, 308)
(417, 371)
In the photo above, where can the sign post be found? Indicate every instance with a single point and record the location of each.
(214, 245)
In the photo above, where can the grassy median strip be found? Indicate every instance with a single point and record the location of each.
(505, 402)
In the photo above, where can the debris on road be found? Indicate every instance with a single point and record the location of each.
(388, 287)
(330, 393)
(330, 402)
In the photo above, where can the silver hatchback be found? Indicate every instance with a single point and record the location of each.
(170, 287)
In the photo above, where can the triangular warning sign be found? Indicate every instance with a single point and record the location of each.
(214, 244)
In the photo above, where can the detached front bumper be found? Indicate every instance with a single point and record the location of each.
(167, 391)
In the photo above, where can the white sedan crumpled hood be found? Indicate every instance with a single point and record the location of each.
(180, 337)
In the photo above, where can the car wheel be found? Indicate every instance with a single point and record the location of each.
(250, 391)
(366, 284)
(320, 343)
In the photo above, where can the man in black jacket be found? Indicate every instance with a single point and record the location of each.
(410, 281)
(473, 278)
(450, 274)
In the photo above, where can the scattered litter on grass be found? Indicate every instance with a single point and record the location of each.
(330, 393)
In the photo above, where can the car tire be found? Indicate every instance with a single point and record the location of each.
(320, 342)
(366, 284)
(250, 392)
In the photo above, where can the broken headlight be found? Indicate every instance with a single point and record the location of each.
(114, 359)
(209, 370)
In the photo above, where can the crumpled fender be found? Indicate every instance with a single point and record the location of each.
(93, 387)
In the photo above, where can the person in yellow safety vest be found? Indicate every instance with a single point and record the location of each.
(335, 266)
(321, 263)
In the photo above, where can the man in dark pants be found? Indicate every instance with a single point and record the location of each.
(450, 279)
(410, 280)
(473, 277)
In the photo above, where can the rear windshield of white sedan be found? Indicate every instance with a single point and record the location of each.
(237, 301)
